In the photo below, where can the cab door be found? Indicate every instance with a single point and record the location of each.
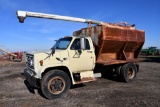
(81, 60)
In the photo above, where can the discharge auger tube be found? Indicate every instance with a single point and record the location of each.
(23, 14)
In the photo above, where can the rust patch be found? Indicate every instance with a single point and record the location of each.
(86, 79)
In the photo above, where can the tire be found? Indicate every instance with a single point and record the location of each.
(129, 72)
(55, 84)
(118, 71)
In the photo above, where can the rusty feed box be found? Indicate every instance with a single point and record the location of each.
(114, 44)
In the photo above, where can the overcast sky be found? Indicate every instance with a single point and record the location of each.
(39, 34)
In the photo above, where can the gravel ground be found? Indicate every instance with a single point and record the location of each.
(143, 92)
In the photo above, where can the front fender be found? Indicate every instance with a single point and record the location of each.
(43, 68)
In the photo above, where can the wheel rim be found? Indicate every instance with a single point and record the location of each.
(56, 85)
(131, 73)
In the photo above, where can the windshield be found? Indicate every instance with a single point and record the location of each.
(62, 43)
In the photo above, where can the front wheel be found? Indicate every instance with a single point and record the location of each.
(129, 72)
(55, 84)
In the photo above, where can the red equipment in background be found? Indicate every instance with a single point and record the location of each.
(15, 56)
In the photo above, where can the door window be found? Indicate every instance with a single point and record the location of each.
(77, 46)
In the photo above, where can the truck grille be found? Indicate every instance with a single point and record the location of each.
(30, 61)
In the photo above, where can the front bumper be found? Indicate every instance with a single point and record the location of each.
(30, 78)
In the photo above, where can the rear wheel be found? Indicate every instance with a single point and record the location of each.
(129, 72)
(118, 71)
(55, 84)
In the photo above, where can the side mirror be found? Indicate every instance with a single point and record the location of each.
(53, 51)
(82, 40)
(80, 52)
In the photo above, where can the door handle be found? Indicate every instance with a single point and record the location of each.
(89, 51)
(59, 59)
(64, 58)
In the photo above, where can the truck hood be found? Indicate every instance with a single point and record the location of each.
(48, 60)
(37, 52)
(44, 55)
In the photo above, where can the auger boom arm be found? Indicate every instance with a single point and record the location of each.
(23, 14)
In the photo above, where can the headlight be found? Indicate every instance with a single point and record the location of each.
(30, 61)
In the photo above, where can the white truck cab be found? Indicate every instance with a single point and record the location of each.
(66, 56)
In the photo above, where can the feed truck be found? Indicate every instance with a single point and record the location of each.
(72, 60)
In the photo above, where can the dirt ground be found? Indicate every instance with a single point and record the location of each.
(143, 92)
